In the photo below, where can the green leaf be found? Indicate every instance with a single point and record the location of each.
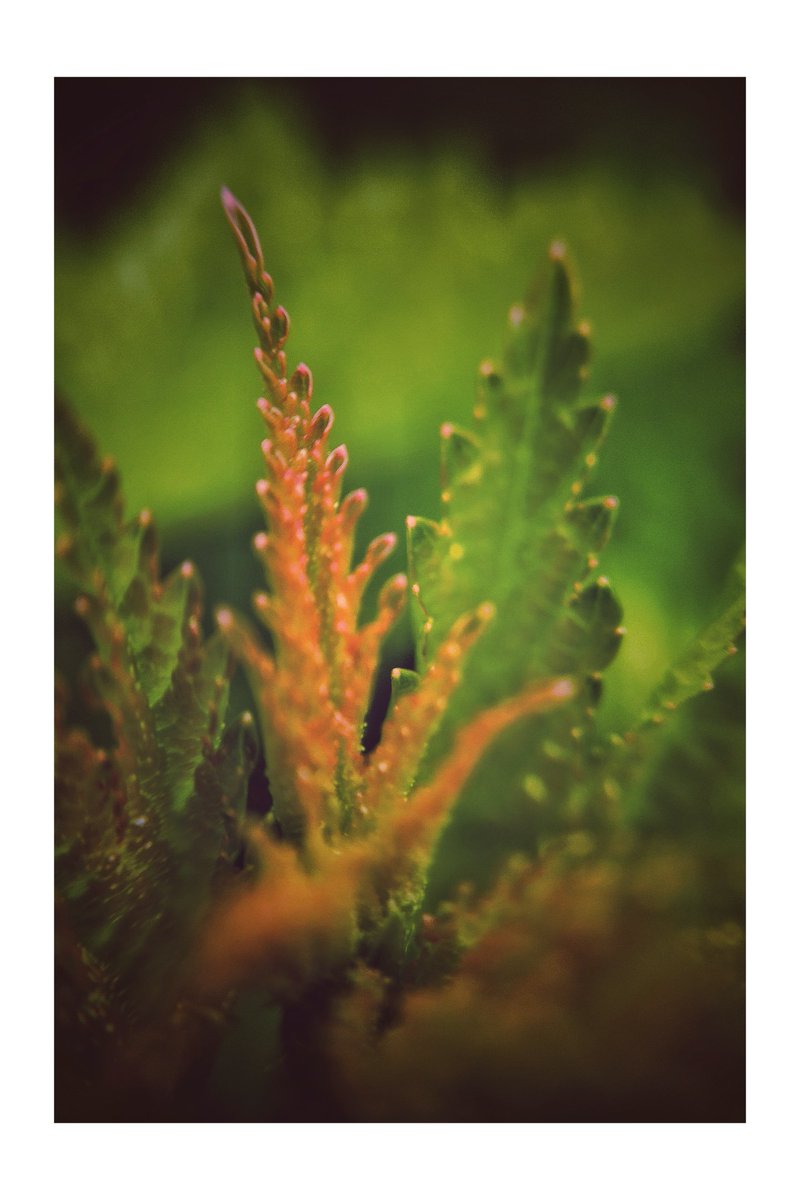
(143, 828)
(692, 673)
(516, 531)
(513, 530)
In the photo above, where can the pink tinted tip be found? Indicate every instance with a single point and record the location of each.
(382, 546)
(557, 251)
(411, 522)
(225, 618)
(262, 487)
(446, 430)
(337, 460)
(302, 378)
(145, 517)
(261, 541)
(562, 689)
(187, 570)
(611, 502)
(229, 201)
(608, 403)
(322, 421)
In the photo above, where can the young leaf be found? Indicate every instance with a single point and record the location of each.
(339, 810)
(314, 691)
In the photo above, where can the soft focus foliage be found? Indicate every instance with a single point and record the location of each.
(568, 947)
(396, 269)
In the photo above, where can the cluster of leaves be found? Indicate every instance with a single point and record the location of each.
(147, 826)
(173, 905)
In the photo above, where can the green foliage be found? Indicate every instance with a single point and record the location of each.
(399, 265)
(516, 531)
(345, 918)
(145, 826)
(691, 674)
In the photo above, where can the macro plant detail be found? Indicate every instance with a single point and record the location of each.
(384, 1002)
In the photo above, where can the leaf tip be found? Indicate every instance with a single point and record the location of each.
(224, 618)
(563, 689)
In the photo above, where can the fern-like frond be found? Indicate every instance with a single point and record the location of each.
(314, 690)
(340, 810)
(514, 529)
(144, 825)
(517, 531)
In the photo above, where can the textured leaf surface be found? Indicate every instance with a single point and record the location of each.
(516, 531)
(362, 820)
(513, 529)
(142, 827)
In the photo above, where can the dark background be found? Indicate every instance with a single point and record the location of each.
(112, 134)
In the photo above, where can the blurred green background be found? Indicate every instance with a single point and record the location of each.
(400, 220)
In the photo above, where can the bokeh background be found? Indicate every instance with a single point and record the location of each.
(400, 220)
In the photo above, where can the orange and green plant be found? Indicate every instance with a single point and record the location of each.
(596, 976)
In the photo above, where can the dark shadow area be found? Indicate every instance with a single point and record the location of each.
(113, 134)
